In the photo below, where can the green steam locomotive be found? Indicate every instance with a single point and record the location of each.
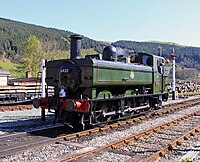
(104, 87)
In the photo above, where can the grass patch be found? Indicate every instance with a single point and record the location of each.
(6, 65)
(12, 67)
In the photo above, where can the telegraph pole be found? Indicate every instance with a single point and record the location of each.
(173, 80)
(43, 95)
(173, 59)
(173, 75)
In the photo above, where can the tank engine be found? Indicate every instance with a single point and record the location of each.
(102, 88)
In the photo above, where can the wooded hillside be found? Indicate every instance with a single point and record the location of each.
(13, 36)
(186, 56)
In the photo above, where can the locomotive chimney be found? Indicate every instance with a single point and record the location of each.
(75, 51)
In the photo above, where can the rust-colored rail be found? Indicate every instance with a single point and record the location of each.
(162, 151)
(115, 145)
(15, 107)
(154, 129)
(140, 118)
(27, 141)
(107, 127)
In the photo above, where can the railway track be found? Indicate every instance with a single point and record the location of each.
(34, 142)
(15, 107)
(28, 106)
(15, 143)
(25, 105)
(149, 144)
(168, 108)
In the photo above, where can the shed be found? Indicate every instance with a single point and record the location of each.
(4, 74)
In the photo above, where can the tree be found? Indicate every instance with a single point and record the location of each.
(33, 55)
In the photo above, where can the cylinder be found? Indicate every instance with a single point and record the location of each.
(75, 52)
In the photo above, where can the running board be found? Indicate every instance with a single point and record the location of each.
(128, 110)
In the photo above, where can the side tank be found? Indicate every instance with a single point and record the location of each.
(95, 73)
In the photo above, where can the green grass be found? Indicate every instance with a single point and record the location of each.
(10, 67)
(106, 42)
(6, 65)
(168, 43)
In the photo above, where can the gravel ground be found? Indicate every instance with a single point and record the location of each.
(41, 154)
(116, 135)
(51, 151)
(22, 121)
(110, 156)
(187, 149)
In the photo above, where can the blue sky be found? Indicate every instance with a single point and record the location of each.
(111, 20)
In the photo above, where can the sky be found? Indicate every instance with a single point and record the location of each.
(175, 21)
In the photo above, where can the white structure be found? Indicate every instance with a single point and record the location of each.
(173, 80)
(4, 77)
(43, 78)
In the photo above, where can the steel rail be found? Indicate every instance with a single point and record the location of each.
(15, 107)
(130, 121)
(162, 151)
(26, 144)
(121, 142)
(105, 128)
